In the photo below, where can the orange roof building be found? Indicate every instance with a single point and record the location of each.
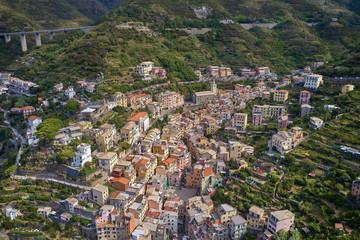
(121, 184)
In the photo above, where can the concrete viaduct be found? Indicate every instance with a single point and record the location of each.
(50, 33)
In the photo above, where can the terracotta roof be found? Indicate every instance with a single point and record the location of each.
(339, 225)
(114, 194)
(120, 180)
(208, 171)
(136, 117)
(27, 108)
(167, 162)
(142, 162)
(153, 214)
(305, 92)
(141, 95)
(32, 118)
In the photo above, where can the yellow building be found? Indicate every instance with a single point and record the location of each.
(211, 128)
(347, 88)
(120, 99)
(105, 140)
(281, 95)
(84, 125)
(256, 219)
(161, 147)
(235, 150)
(129, 132)
(226, 212)
(127, 169)
(240, 120)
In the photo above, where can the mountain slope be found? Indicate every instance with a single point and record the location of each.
(18, 15)
(115, 52)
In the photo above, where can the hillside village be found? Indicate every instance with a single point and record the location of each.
(155, 164)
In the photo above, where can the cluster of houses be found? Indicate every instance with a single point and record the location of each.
(14, 84)
(148, 72)
(162, 187)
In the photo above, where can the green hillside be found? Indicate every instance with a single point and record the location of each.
(18, 15)
(113, 51)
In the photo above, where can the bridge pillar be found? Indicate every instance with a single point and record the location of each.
(23, 42)
(7, 38)
(37, 39)
(51, 35)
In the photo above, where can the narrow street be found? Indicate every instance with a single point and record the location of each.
(21, 177)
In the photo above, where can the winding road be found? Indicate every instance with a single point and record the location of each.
(17, 135)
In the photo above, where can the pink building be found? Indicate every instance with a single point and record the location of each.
(174, 178)
(355, 189)
(304, 97)
(106, 213)
(25, 111)
(154, 202)
(224, 156)
(283, 122)
(159, 182)
(81, 84)
(160, 72)
(171, 206)
(280, 220)
(257, 118)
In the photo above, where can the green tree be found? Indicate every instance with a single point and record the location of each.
(47, 130)
(281, 235)
(65, 155)
(72, 106)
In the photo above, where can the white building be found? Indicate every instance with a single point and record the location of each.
(316, 122)
(331, 107)
(171, 221)
(313, 81)
(107, 161)
(11, 212)
(34, 121)
(70, 93)
(226, 115)
(237, 227)
(82, 155)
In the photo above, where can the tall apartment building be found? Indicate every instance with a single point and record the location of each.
(281, 95)
(120, 99)
(240, 120)
(306, 109)
(170, 99)
(304, 97)
(285, 141)
(215, 71)
(313, 81)
(129, 132)
(226, 212)
(237, 227)
(256, 219)
(355, 189)
(141, 119)
(82, 155)
(280, 220)
(136, 101)
(107, 161)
